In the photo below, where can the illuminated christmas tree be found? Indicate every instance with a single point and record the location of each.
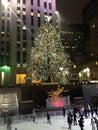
(47, 59)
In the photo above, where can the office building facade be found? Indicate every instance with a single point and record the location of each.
(19, 22)
(90, 18)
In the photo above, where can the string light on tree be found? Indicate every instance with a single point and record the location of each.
(47, 56)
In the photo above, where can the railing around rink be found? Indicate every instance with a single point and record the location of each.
(39, 114)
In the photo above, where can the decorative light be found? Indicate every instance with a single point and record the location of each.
(61, 68)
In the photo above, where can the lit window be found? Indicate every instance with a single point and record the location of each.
(93, 26)
(24, 49)
(18, 65)
(32, 14)
(20, 78)
(38, 15)
(2, 32)
(24, 27)
(18, 11)
(24, 12)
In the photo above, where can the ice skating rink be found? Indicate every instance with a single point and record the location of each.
(58, 123)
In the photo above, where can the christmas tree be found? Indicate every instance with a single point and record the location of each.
(47, 59)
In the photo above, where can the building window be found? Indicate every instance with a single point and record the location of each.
(3, 14)
(7, 46)
(38, 2)
(8, 26)
(51, 21)
(32, 31)
(24, 57)
(24, 1)
(24, 17)
(24, 9)
(18, 1)
(18, 21)
(24, 34)
(18, 33)
(45, 5)
(18, 37)
(32, 20)
(45, 13)
(18, 29)
(20, 78)
(18, 45)
(3, 25)
(50, 14)
(50, 6)
(18, 8)
(32, 14)
(38, 21)
(18, 15)
(2, 60)
(24, 45)
(31, 2)
(18, 56)
(8, 15)
(32, 38)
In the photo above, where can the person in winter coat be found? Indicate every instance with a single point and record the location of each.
(96, 121)
(69, 120)
(48, 118)
(93, 124)
(9, 122)
(81, 123)
(70, 123)
(75, 118)
(33, 115)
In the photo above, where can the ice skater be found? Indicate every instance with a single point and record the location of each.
(81, 123)
(48, 118)
(33, 115)
(9, 122)
(93, 124)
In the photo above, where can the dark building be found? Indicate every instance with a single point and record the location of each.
(73, 39)
(90, 20)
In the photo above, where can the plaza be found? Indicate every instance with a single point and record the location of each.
(58, 123)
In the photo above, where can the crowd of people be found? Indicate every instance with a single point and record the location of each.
(75, 116)
(78, 116)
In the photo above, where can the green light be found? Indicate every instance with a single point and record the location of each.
(5, 68)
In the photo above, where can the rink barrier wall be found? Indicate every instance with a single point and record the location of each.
(21, 118)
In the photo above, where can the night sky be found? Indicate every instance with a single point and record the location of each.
(70, 10)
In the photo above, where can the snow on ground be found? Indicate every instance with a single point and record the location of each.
(58, 123)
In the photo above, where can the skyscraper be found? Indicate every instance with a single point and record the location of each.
(19, 22)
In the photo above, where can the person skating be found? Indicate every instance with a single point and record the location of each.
(96, 121)
(9, 122)
(75, 118)
(48, 118)
(33, 115)
(81, 123)
(93, 124)
(69, 120)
